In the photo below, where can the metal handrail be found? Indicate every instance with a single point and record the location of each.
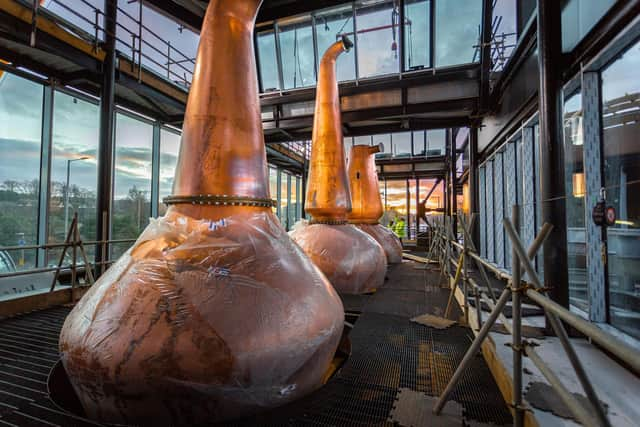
(627, 354)
(521, 259)
(62, 244)
(164, 51)
(54, 246)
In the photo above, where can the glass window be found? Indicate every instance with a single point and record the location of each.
(330, 25)
(417, 34)
(621, 156)
(506, 33)
(575, 189)
(132, 180)
(268, 61)
(362, 140)
(348, 143)
(82, 16)
(385, 140)
(169, 151)
(284, 199)
(378, 33)
(431, 204)
(74, 170)
(419, 147)
(578, 17)
(20, 143)
(396, 201)
(411, 220)
(401, 144)
(296, 50)
(273, 187)
(168, 48)
(436, 142)
(457, 30)
(526, 8)
(293, 202)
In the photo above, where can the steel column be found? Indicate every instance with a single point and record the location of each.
(155, 169)
(485, 53)
(107, 124)
(453, 184)
(474, 194)
(551, 169)
(45, 173)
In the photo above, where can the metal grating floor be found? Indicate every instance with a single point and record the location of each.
(389, 352)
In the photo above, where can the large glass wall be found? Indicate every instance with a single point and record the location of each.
(20, 145)
(379, 36)
(29, 218)
(621, 173)
(74, 170)
(132, 179)
(169, 151)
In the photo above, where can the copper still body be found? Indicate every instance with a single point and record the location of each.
(366, 201)
(352, 261)
(214, 313)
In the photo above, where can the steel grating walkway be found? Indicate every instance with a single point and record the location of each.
(389, 353)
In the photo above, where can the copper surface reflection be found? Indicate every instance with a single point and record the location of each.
(351, 259)
(328, 196)
(214, 313)
(366, 201)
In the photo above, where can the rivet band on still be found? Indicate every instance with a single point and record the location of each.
(329, 221)
(219, 200)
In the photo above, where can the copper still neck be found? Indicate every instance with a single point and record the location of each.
(366, 202)
(222, 154)
(328, 197)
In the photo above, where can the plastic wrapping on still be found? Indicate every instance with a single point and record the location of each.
(352, 260)
(202, 321)
(387, 239)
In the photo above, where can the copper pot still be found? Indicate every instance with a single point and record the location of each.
(366, 202)
(353, 262)
(214, 313)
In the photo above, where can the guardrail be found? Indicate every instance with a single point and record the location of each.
(442, 250)
(142, 49)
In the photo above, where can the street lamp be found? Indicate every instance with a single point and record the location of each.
(66, 191)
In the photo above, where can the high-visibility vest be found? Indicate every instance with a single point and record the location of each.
(398, 228)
